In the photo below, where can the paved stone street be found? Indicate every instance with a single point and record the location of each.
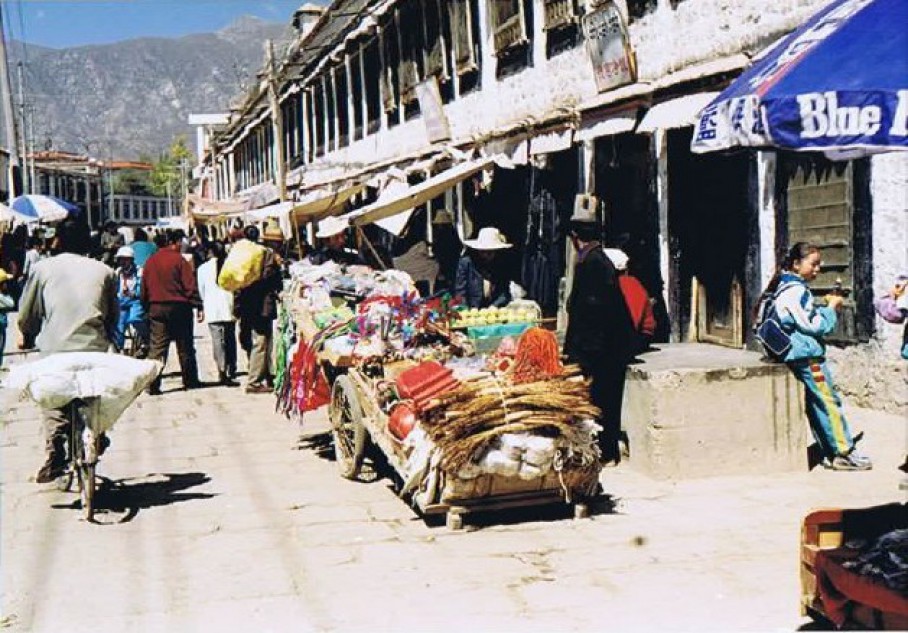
(222, 518)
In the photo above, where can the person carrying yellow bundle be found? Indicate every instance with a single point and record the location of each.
(243, 266)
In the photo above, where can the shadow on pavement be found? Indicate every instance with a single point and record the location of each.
(321, 443)
(123, 499)
(549, 512)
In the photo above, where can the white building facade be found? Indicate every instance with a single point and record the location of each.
(376, 86)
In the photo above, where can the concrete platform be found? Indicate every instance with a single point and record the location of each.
(696, 410)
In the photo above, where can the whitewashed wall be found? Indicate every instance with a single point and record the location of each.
(665, 41)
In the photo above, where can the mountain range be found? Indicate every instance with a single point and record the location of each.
(132, 98)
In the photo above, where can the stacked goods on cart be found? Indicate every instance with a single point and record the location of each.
(533, 421)
(486, 327)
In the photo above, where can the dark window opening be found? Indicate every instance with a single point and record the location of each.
(312, 120)
(331, 107)
(513, 20)
(470, 82)
(391, 91)
(563, 39)
(356, 93)
(435, 57)
(514, 60)
(462, 27)
(343, 105)
(636, 9)
(411, 110)
(372, 70)
(318, 118)
(410, 70)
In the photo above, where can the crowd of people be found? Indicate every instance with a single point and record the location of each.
(112, 288)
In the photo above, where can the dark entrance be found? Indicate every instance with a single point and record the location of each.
(709, 231)
(624, 183)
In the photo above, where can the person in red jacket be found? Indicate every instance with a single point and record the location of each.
(169, 294)
(637, 298)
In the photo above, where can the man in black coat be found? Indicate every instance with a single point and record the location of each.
(256, 307)
(600, 333)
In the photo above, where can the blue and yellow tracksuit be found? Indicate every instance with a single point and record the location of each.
(807, 324)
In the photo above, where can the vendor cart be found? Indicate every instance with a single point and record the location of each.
(359, 425)
(493, 436)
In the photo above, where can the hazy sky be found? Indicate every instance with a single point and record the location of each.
(63, 23)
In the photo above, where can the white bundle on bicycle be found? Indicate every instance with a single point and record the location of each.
(112, 381)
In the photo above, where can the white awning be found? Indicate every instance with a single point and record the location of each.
(675, 113)
(406, 199)
(317, 204)
(322, 202)
(610, 126)
(551, 142)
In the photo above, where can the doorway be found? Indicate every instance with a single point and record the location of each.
(624, 183)
(709, 235)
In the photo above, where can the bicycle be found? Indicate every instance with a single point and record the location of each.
(134, 344)
(82, 451)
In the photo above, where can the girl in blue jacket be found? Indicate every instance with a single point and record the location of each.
(807, 324)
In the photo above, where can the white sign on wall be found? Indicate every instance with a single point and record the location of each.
(433, 110)
(608, 47)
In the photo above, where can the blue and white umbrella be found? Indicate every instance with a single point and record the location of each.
(838, 84)
(36, 208)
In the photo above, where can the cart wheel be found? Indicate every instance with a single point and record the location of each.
(347, 428)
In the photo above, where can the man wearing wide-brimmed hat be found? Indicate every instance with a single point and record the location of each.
(600, 334)
(333, 234)
(481, 280)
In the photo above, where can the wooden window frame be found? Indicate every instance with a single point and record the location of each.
(509, 31)
(856, 322)
(463, 47)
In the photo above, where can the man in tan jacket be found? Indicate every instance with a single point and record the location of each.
(68, 305)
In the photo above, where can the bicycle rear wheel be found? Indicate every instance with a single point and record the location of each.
(87, 477)
(130, 341)
(85, 458)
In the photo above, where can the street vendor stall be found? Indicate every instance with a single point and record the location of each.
(471, 409)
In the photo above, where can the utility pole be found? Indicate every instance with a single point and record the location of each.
(110, 191)
(23, 137)
(31, 149)
(277, 121)
(9, 122)
(277, 128)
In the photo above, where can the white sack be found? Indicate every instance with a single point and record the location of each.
(113, 379)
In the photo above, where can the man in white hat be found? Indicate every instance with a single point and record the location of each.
(333, 233)
(481, 280)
